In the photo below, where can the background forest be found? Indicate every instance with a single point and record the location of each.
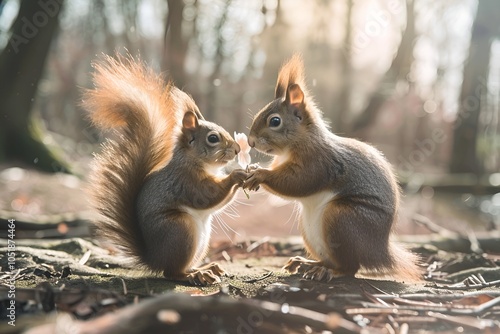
(420, 79)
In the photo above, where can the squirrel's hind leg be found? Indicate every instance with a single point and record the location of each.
(195, 277)
(320, 272)
(214, 267)
(204, 275)
(175, 245)
(311, 269)
(210, 273)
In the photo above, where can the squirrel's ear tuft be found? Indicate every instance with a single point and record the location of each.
(292, 72)
(280, 86)
(190, 121)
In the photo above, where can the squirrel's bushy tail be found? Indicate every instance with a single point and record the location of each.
(130, 98)
(405, 263)
(400, 264)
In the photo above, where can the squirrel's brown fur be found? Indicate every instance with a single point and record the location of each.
(153, 185)
(128, 96)
(348, 193)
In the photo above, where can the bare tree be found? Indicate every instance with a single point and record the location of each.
(345, 95)
(175, 51)
(399, 70)
(21, 66)
(211, 99)
(486, 26)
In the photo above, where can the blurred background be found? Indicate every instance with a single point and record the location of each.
(419, 79)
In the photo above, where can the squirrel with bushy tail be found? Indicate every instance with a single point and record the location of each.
(158, 183)
(348, 195)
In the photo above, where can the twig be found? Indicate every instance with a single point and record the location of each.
(464, 320)
(373, 298)
(431, 226)
(263, 277)
(474, 243)
(443, 309)
(418, 319)
(295, 313)
(422, 296)
(257, 243)
(85, 257)
(413, 302)
(124, 287)
(389, 328)
(226, 256)
(404, 328)
(376, 288)
(449, 296)
(384, 310)
(465, 285)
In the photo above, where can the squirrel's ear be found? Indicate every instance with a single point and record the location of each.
(190, 121)
(294, 95)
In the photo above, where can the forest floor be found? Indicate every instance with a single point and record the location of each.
(73, 283)
(68, 282)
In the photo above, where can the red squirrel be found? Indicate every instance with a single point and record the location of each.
(347, 191)
(158, 183)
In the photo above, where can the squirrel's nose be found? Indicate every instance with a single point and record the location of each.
(238, 149)
(251, 141)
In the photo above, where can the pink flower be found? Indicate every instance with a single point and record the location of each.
(244, 158)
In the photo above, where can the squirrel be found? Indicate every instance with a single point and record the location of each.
(158, 183)
(348, 193)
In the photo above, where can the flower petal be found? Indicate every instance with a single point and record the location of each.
(244, 158)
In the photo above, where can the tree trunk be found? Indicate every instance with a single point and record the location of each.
(464, 157)
(174, 56)
(211, 99)
(399, 70)
(21, 66)
(345, 96)
(2, 3)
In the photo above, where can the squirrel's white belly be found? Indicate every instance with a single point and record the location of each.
(203, 229)
(312, 209)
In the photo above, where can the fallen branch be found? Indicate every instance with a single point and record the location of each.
(448, 309)
(175, 313)
(486, 241)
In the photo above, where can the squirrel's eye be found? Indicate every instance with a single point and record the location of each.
(274, 122)
(213, 138)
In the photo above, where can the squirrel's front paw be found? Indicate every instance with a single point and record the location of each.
(255, 179)
(239, 176)
(252, 167)
(298, 264)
